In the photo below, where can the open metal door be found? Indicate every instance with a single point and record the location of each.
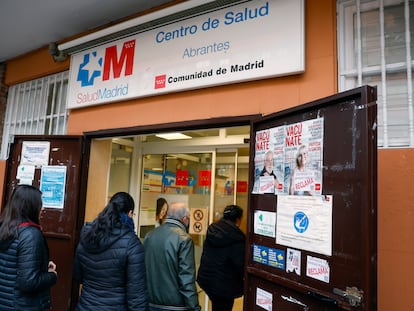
(54, 164)
(312, 229)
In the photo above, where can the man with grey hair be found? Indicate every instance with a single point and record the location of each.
(169, 260)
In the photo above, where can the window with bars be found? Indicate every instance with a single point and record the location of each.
(376, 47)
(36, 107)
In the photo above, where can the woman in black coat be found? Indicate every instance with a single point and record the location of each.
(222, 263)
(26, 274)
(109, 261)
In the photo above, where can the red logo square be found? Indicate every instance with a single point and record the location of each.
(160, 81)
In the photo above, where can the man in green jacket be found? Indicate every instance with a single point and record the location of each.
(169, 260)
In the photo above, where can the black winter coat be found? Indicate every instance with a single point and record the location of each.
(222, 262)
(113, 274)
(24, 278)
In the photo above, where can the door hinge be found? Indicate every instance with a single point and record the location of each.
(352, 295)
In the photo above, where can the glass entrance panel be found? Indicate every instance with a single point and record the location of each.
(177, 178)
(231, 176)
(120, 169)
(225, 182)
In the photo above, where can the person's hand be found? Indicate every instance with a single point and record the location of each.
(52, 267)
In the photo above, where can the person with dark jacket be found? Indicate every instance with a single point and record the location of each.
(109, 261)
(169, 257)
(222, 262)
(26, 274)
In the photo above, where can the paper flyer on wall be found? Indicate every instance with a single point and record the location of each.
(305, 222)
(269, 161)
(289, 159)
(304, 157)
(52, 185)
(35, 153)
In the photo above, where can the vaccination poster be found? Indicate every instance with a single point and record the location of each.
(268, 161)
(289, 159)
(304, 157)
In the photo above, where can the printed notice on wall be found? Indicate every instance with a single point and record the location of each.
(317, 268)
(304, 157)
(293, 261)
(35, 153)
(265, 223)
(52, 185)
(289, 159)
(305, 222)
(198, 220)
(269, 161)
(264, 299)
(25, 174)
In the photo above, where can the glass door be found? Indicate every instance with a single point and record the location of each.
(189, 178)
(207, 171)
(231, 175)
(176, 177)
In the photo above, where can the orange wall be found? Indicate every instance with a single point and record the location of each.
(31, 66)
(265, 96)
(395, 229)
(395, 169)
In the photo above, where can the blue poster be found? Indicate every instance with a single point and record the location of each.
(52, 185)
(269, 256)
(277, 258)
(260, 254)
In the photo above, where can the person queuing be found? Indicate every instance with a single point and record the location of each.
(161, 211)
(110, 262)
(169, 258)
(222, 262)
(26, 274)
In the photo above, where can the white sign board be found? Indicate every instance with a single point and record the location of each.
(265, 223)
(248, 41)
(305, 222)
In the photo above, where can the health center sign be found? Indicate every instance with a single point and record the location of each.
(249, 41)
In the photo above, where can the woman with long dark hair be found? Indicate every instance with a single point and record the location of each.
(26, 274)
(109, 260)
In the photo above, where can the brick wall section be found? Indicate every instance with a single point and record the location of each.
(3, 98)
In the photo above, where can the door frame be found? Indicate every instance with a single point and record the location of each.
(78, 173)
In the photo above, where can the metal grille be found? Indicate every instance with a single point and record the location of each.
(376, 47)
(36, 107)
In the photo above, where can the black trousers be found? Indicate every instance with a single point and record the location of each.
(221, 303)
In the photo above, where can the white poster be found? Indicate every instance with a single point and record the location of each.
(265, 223)
(318, 269)
(199, 51)
(289, 159)
(304, 157)
(305, 222)
(25, 172)
(264, 299)
(269, 161)
(293, 261)
(35, 153)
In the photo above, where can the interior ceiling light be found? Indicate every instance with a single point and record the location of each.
(173, 136)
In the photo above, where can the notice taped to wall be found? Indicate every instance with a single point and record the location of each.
(305, 222)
